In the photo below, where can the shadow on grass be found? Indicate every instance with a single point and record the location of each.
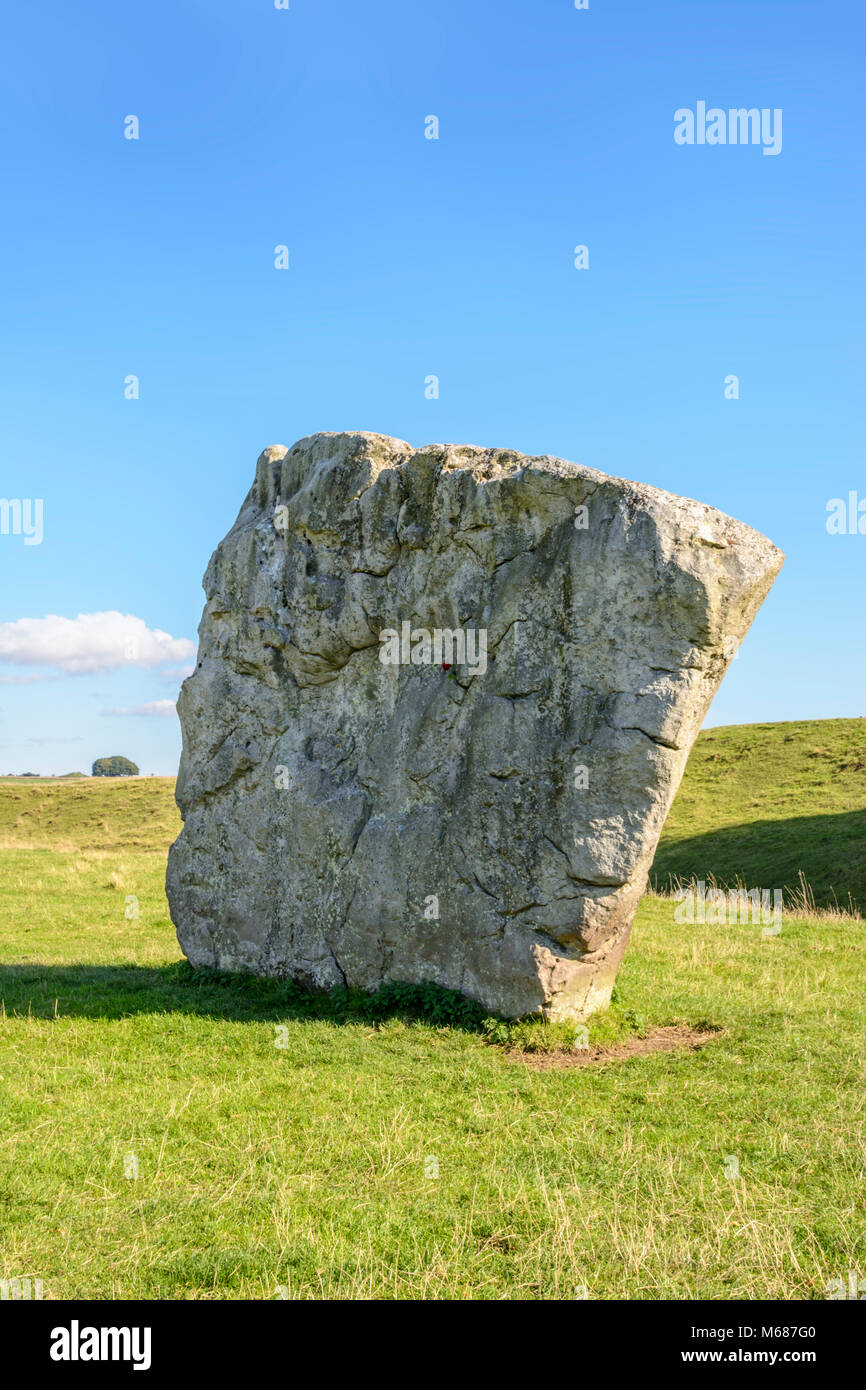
(830, 851)
(120, 991)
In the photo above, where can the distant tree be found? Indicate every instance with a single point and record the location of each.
(114, 767)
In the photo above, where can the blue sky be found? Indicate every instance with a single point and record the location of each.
(411, 257)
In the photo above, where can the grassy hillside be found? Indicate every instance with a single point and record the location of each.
(91, 813)
(761, 802)
(170, 1133)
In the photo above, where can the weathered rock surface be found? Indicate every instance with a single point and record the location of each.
(351, 821)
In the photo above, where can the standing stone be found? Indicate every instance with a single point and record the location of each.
(363, 805)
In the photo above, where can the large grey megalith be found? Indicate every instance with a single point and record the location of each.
(443, 700)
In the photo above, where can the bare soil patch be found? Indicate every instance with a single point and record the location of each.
(676, 1037)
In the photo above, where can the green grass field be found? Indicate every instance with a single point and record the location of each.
(175, 1134)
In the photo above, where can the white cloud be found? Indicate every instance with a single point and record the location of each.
(77, 738)
(175, 675)
(90, 642)
(26, 680)
(164, 708)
